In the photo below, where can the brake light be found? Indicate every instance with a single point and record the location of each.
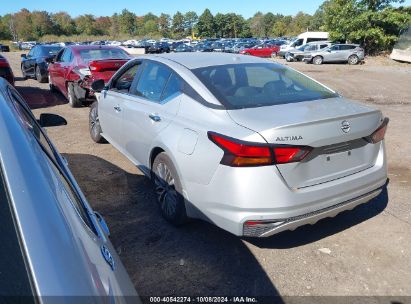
(379, 134)
(238, 153)
(285, 155)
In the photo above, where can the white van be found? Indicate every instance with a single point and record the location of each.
(303, 38)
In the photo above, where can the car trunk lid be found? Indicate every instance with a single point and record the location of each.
(105, 68)
(335, 128)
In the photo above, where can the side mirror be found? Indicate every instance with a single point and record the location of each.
(51, 120)
(98, 85)
(102, 223)
(24, 56)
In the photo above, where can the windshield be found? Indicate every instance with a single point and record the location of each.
(239, 86)
(50, 50)
(100, 54)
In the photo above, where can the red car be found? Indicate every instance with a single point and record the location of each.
(5, 70)
(262, 50)
(75, 67)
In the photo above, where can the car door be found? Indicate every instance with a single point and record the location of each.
(155, 103)
(56, 70)
(28, 62)
(333, 54)
(110, 103)
(345, 52)
(64, 69)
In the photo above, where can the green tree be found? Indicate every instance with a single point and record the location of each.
(279, 28)
(5, 32)
(205, 24)
(23, 25)
(63, 24)
(127, 22)
(178, 25)
(190, 20)
(85, 25)
(375, 24)
(257, 25)
(220, 23)
(164, 25)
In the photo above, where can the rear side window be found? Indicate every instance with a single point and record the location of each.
(67, 56)
(173, 88)
(14, 275)
(347, 47)
(152, 81)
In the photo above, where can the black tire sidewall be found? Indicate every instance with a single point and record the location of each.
(180, 215)
(98, 138)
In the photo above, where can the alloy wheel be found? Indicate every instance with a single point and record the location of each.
(165, 189)
(94, 122)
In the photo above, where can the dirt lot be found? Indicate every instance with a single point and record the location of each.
(366, 251)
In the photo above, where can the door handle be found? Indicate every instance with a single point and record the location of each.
(154, 117)
(117, 108)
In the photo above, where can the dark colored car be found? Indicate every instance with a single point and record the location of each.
(175, 45)
(5, 70)
(184, 48)
(35, 63)
(4, 48)
(158, 48)
(203, 47)
(77, 66)
(262, 50)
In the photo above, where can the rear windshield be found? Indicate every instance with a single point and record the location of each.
(239, 86)
(50, 50)
(99, 54)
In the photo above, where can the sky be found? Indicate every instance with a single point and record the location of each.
(109, 7)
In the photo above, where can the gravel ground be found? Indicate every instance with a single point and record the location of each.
(363, 252)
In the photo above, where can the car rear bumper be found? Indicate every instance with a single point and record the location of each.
(267, 228)
(235, 196)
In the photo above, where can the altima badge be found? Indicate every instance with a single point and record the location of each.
(345, 126)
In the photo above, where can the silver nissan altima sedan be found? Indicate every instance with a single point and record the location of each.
(248, 144)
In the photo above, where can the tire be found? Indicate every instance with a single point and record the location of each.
(168, 190)
(318, 60)
(287, 58)
(273, 54)
(52, 88)
(39, 77)
(74, 102)
(247, 54)
(94, 124)
(23, 72)
(353, 60)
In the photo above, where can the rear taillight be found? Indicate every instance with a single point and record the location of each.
(239, 153)
(379, 134)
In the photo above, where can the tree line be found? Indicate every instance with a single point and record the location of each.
(373, 23)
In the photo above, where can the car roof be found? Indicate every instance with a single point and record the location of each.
(92, 47)
(200, 60)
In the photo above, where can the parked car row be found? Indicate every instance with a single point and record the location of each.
(72, 69)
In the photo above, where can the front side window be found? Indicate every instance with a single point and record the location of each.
(152, 81)
(67, 56)
(123, 83)
(259, 84)
(335, 48)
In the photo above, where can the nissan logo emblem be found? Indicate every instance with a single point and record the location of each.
(345, 126)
